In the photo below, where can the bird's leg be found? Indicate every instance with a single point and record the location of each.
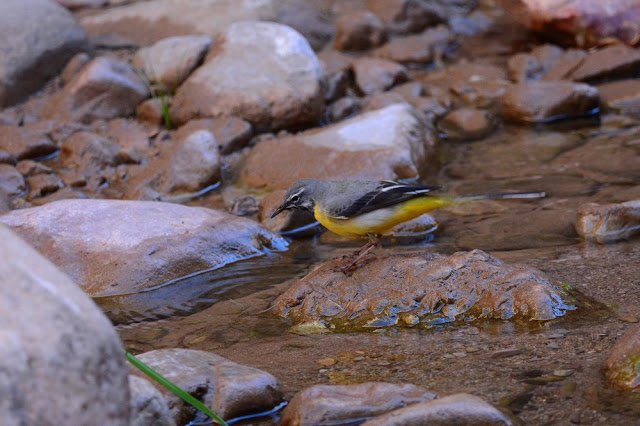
(360, 254)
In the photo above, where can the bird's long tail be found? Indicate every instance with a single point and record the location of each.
(500, 196)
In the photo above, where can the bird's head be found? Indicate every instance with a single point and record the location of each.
(299, 196)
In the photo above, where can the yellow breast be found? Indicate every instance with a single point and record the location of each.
(382, 220)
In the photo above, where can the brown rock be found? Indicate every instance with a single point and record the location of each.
(41, 185)
(467, 124)
(94, 241)
(151, 110)
(89, 153)
(103, 89)
(523, 67)
(229, 389)
(382, 100)
(406, 16)
(132, 139)
(359, 30)
(623, 364)
(623, 95)
(375, 75)
(170, 61)
(232, 133)
(274, 82)
(11, 181)
(195, 164)
(406, 50)
(73, 67)
(565, 65)
(28, 141)
(458, 409)
(614, 62)
(389, 143)
(579, 22)
(424, 288)
(322, 404)
(608, 223)
(544, 101)
(32, 168)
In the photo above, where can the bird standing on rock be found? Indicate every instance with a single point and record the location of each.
(371, 208)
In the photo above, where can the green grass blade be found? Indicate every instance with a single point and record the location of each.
(173, 388)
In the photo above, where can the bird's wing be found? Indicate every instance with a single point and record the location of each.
(385, 194)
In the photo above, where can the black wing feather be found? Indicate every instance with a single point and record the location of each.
(386, 194)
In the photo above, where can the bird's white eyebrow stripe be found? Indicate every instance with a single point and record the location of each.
(297, 193)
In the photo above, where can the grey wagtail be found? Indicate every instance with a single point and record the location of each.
(369, 208)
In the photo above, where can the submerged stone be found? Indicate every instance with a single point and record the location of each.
(436, 289)
(608, 223)
(344, 404)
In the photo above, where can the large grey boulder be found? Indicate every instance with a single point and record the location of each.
(263, 72)
(61, 361)
(37, 38)
(113, 247)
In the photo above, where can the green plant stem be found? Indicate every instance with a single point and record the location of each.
(173, 388)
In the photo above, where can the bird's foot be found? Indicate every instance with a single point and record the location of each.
(358, 257)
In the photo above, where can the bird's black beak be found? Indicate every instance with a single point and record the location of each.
(278, 211)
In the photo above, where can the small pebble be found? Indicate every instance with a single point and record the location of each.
(327, 362)
(553, 345)
(629, 319)
(562, 373)
(459, 354)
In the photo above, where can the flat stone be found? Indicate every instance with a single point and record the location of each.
(145, 23)
(463, 287)
(62, 361)
(37, 38)
(540, 101)
(148, 406)
(228, 389)
(460, 408)
(467, 124)
(374, 75)
(94, 241)
(105, 88)
(623, 364)
(28, 141)
(359, 30)
(170, 60)
(262, 72)
(608, 223)
(322, 404)
(622, 96)
(389, 143)
(614, 62)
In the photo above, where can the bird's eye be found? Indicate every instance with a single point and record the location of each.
(295, 198)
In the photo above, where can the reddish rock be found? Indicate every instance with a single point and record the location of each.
(151, 110)
(43, 184)
(428, 289)
(375, 75)
(333, 404)
(467, 124)
(458, 409)
(359, 30)
(543, 101)
(523, 67)
(28, 141)
(73, 67)
(584, 23)
(623, 365)
(32, 168)
(608, 223)
(613, 62)
(89, 153)
(262, 72)
(382, 100)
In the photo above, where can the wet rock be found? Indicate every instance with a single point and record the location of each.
(94, 241)
(623, 364)
(375, 75)
(467, 124)
(32, 168)
(89, 153)
(614, 62)
(544, 101)
(227, 388)
(359, 30)
(37, 38)
(274, 81)
(334, 404)
(43, 184)
(194, 165)
(170, 61)
(425, 288)
(232, 133)
(104, 89)
(406, 16)
(11, 181)
(607, 223)
(148, 407)
(622, 96)
(389, 143)
(583, 23)
(459, 409)
(28, 141)
(145, 23)
(61, 359)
